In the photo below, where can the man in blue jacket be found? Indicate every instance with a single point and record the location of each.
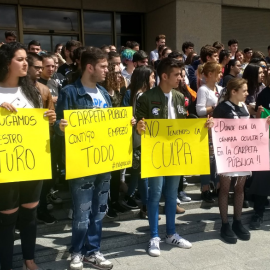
(90, 193)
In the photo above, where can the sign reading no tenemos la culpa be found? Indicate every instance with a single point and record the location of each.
(241, 145)
(97, 141)
(175, 147)
(25, 153)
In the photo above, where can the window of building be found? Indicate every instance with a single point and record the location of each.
(46, 19)
(50, 27)
(128, 28)
(8, 20)
(98, 28)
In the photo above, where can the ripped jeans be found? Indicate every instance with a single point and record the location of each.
(89, 197)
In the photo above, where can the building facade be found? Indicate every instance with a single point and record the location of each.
(114, 22)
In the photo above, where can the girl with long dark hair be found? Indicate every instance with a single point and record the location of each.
(143, 79)
(18, 200)
(254, 75)
(232, 69)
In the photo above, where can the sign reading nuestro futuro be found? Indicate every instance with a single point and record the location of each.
(25, 153)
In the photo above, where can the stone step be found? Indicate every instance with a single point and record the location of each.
(54, 245)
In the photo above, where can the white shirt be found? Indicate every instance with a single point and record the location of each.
(98, 99)
(126, 75)
(15, 97)
(206, 98)
(154, 55)
(171, 111)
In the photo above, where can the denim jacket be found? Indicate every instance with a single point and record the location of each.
(74, 97)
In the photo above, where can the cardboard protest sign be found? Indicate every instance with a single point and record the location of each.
(175, 147)
(241, 145)
(24, 145)
(97, 141)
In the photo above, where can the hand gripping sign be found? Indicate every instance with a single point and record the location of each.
(97, 141)
(175, 147)
(241, 145)
(24, 145)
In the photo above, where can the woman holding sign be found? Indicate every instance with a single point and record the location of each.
(207, 99)
(233, 107)
(18, 200)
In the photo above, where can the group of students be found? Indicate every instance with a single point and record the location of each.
(178, 86)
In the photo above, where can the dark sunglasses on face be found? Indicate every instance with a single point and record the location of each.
(37, 68)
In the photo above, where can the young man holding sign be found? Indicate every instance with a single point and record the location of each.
(163, 102)
(90, 193)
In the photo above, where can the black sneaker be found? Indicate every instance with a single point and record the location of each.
(45, 217)
(52, 197)
(207, 196)
(255, 223)
(116, 206)
(227, 234)
(111, 213)
(245, 204)
(130, 202)
(240, 230)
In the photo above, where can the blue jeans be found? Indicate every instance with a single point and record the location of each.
(89, 197)
(169, 191)
(137, 181)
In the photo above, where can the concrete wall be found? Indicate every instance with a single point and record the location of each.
(161, 20)
(198, 22)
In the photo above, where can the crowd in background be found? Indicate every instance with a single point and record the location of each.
(220, 81)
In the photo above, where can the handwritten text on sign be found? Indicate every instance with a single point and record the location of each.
(241, 145)
(24, 145)
(175, 147)
(98, 141)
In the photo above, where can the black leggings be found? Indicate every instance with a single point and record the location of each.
(13, 195)
(26, 223)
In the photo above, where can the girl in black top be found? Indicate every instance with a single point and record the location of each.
(233, 107)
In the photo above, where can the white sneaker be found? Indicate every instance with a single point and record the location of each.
(183, 197)
(153, 248)
(177, 240)
(76, 262)
(98, 261)
(178, 201)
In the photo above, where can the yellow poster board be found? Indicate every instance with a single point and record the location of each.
(175, 147)
(98, 141)
(25, 152)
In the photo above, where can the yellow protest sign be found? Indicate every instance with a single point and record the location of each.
(175, 147)
(97, 141)
(24, 146)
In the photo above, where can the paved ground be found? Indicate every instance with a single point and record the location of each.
(208, 252)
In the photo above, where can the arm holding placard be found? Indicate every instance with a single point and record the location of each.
(50, 113)
(8, 107)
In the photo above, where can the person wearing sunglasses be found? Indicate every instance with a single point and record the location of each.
(207, 99)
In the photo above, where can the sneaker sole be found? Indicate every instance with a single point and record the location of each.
(153, 255)
(96, 266)
(178, 245)
(79, 267)
(254, 227)
(244, 237)
(230, 240)
(46, 223)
